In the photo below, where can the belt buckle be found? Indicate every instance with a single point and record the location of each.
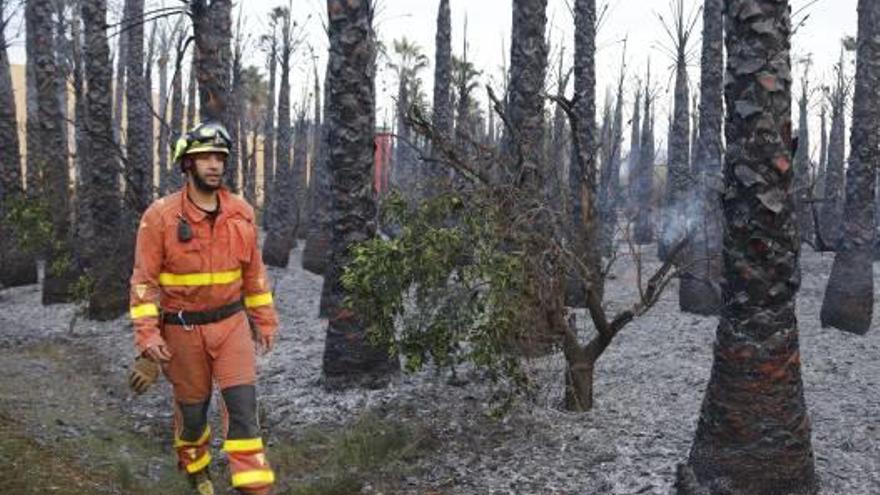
(186, 327)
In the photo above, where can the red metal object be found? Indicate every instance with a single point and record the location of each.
(382, 161)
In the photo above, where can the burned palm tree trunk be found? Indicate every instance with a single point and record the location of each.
(644, 224)
(282, 218)
(802, 166)
(212, 24)
(831, 208)
(316, 252)
(107, 255)
(819, 180)
(675, 221)
(139, 167)
(349, 357)
(175, 176)
(635, 143)
(610, 193)
(849, 297)
(16, 267)
(699, 290)
(753, 435)
(50, 155)
(442, 103)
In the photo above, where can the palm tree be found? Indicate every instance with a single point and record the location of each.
(282, 217)
(849, 297)
(139, 176)
(212, 24)
(349, 357)
(410, 61)
(644, 186)
(16, 268)
(678, 178)
(316, 252)
(699, 289)
(753, 435)
(107, 260)
(49, 150)
(831, 210)
(442, 104)
(802, 160)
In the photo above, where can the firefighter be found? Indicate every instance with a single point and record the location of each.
(198, 287)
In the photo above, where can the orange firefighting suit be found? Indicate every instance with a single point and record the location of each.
(220, 264)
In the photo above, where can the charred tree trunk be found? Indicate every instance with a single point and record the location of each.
(610, 194)
(49, 154)
(753, 435)
(316, 253)
(283, 220)
(175, 176)
(107, 255)
(212, 24)
(16, 267)
(802, 167)
(349, 357)
(644, 225)
(849, 297)
(635, 141)
(442, 103)
(700, 285)
(678, 178)
(269, 132)
(831, 209)
(119, 87)
(192, 102)
(139, 167)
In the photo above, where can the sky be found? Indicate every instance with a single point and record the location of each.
(488, 34)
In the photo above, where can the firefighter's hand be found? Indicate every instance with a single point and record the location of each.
(265, 343)
(144, 373)
(158, 353)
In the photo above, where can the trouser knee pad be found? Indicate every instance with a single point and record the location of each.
(241, 406)
(195, 420)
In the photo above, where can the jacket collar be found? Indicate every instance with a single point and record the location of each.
(194, 214)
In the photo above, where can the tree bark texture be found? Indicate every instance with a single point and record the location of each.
(212, 24)
(442, 118)
(138, 116)
(49, 154)
(283, 219)
(349, 357)
(528, 69)
(676, 211)
(644, 190)
(16, 268)
(849, 296)
(316, 253)
(699, 289)
(107, 255)
(753, 435)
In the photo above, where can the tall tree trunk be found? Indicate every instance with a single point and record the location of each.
(316, 253)
(678, 178)
(849, 297)
(269, 134)
(802, 167)
(831, 209)
(212, 24)
(49, 154)
(175, 176)
(119, 88)
(753, 435)
(192, 87)
(16, 267)
(150, 112)
(635, 143)
(699, 290)
(349, 357)
(644, 228)
(107, 254)
(34, 180)
(162, 147)
(139, 167)
(283, 221)
(401, 169)
(819, 180)
(442, 118)
(610, 194)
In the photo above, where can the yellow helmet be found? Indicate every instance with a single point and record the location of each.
(205, 137)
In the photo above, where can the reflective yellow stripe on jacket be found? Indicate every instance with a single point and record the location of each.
(199, 279)
(144, 310)
(257, 300)
(255, 477)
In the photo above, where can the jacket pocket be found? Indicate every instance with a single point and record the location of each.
(241, 239)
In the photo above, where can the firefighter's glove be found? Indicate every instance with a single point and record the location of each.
(144, 373)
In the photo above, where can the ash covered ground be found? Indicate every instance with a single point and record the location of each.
(649, 385)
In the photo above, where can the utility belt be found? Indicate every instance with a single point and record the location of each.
(187, 319)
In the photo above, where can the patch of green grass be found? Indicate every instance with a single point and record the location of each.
(339, 462)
